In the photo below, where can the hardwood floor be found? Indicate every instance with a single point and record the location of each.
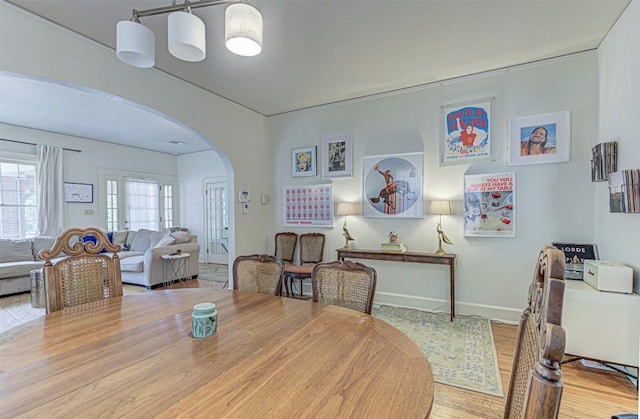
(588, 393)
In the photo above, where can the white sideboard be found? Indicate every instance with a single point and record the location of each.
(601, 325)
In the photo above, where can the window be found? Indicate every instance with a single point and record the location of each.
(18, 213)
(135, 201)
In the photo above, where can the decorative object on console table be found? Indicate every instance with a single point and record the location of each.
(346, 209)
(604, 160)
(441, 208)
(393, 245)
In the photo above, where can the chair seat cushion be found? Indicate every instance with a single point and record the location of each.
(298, 269)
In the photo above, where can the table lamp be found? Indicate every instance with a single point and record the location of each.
(441, 208)
(346, 209)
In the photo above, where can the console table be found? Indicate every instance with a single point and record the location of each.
(415, 257)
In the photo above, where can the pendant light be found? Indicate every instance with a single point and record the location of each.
(135, 44)
(187, 38)
(243, 29)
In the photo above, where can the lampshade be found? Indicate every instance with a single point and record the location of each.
(135, 44)
(348, 208)
(440, 208)
(243, 29)
(187, 39)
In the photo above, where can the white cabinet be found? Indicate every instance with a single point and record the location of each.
(601, 325)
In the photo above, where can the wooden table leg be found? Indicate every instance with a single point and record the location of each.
(452, 279)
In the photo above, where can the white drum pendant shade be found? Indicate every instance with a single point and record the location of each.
(243, 29)
(135, 44)
(187, 39)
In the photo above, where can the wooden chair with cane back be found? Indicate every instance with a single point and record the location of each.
(535, 385)
(345, 284)
(311, 252)
(286, 246)
(258, 273)
(88, 273)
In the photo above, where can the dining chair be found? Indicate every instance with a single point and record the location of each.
(344, 283)
(535, 385)
(311, 253)
(258, 273)
(85, 272)
(286, 246)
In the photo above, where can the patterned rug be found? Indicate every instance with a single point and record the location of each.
(215, 273)
(462, 353)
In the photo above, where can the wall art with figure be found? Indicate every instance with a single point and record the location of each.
(466, 132)
(392, 186)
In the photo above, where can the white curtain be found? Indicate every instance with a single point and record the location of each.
(50, 191)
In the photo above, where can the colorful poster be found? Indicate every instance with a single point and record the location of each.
(466, 132)
(308, 206)
(490, 205)
(393, 186)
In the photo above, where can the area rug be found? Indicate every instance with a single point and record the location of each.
(215, 273)
(462, 353)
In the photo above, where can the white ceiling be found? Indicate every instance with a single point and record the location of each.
(317, 52)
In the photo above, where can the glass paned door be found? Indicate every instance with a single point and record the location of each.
(217, 223)
(143, 205)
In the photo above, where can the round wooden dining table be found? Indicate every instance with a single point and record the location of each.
(271, 357)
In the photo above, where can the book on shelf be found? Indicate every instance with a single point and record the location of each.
(397, 247)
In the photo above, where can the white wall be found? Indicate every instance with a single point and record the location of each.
(618, 235)
(192, 169)
(83, 167)
(35, 47)
(554, 201)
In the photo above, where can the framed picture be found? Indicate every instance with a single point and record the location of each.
(490, 205)
(308, 206)
(337, 156)
(466, 132)
(78, 192)
(303, 161)
(392, 186)
(541, 138)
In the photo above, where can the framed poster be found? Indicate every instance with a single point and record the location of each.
(466, 129)
(337, 156)
(490, 205)
(78, 192)
(303, 161)
(392, 186)
(308, 206)
(540, 139)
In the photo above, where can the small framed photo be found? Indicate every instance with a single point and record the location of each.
(539, 139)
(337, 156)
(303, 161)
(78, 192)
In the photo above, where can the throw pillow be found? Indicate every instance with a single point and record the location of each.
(165, 241)
(142, 240)
(15, 250)
(181, 237)
(119, 237)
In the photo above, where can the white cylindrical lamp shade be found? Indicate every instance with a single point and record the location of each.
(440, 208)
(186, 36)
(135, 44)
(243, 29)
(348, 208)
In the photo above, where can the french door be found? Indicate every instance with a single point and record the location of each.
(217, 225)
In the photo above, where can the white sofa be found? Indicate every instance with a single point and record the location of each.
(140, 261)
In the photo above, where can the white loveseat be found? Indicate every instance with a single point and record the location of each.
(140, 261)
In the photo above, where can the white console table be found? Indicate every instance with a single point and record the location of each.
(604, 326)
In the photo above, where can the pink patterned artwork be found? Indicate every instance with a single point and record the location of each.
(308, 206)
